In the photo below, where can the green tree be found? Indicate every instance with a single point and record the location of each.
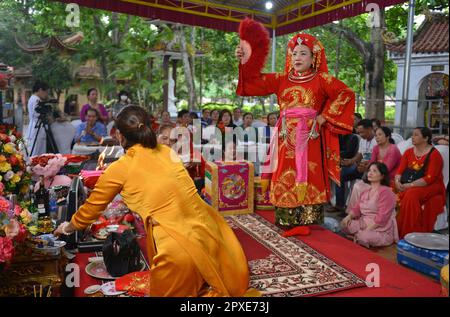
(53, 69)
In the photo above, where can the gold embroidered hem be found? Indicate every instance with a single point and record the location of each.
(299, 216)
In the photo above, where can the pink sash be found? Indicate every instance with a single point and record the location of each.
(301, 140)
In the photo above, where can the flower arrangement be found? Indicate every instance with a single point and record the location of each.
(15, 225)
(14, 175)
(49, 165)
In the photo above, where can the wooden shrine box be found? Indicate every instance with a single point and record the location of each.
(262, 200)
(229, 187)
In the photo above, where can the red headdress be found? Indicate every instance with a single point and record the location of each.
(319, 59)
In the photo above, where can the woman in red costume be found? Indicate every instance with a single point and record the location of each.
(315, 108)
(422, 199)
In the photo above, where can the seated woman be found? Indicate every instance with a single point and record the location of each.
(92, 95)
(422, 197)
(272, 119)
(386, 151)
(91, 131)
(191, 249)
(371, 216)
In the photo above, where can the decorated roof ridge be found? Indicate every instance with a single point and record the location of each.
(62, 42)
(431, 37)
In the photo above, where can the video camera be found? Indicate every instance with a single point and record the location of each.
(45, 107)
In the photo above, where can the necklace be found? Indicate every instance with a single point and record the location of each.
(419, 157)
(302, 77)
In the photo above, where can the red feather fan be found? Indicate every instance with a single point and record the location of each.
(255, 42)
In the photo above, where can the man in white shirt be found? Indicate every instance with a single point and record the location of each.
(355, 167)
(40, 93)
(237, 117)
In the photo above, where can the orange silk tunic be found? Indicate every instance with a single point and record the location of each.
(335, 102)
(192, 249)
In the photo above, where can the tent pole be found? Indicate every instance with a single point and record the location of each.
(274, 49)
(407, 70)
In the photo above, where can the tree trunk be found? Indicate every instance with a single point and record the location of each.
(263, 105)
(102, 59)
(374, 87)
(373, 56)
(338, 53)
(187, 70)
(166, 82)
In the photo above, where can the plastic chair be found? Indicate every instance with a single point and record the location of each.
(76, 123)
(442, 219)
(397, 138)
(404, 145)
(63, 132)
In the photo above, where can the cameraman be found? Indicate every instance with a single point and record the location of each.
(40, 93)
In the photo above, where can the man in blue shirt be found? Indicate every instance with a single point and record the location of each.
(90, 131)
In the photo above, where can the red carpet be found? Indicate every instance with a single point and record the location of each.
(395, 280)
(287, 267)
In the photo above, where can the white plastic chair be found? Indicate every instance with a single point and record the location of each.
(442, 219)
(63, 132)
(397, 138)
(404, 145)
(76, 123)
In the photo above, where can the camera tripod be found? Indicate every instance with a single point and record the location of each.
(51, 143)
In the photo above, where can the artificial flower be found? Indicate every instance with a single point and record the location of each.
(4, 205)
(4, 167)
(15, 179)
(13, 160)
(22, 234)
(9, 175)
(26, 216)
(9, 148)
(12, 228)
(17, 210)
(4, 138)
(6, 249)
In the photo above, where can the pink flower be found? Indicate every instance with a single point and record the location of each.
(17, 210)
(6, 249)
(4, 205)
(52, 166)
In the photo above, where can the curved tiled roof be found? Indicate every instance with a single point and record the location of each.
(431, 37)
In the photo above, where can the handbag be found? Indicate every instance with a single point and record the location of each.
(410, 175)
(121, 253)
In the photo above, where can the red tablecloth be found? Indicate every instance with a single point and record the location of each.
(395, 280)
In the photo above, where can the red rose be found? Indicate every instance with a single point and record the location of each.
(13, 160)
(129, 218)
